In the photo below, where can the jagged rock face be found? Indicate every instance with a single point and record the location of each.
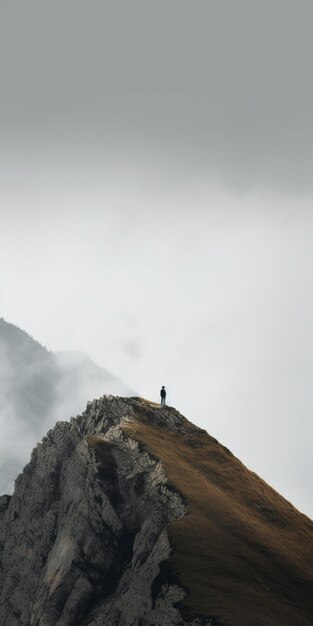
(84, 535)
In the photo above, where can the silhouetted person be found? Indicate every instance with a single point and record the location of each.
(163, 395)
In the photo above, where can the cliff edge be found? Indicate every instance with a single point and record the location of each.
(130, 515)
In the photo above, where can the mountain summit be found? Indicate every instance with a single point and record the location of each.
(130, 515)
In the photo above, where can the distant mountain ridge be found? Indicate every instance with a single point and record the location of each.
(38, 387)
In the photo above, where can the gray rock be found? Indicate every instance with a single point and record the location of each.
(84, 535)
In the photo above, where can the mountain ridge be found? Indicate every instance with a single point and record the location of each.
(37, 387)
(130, 514)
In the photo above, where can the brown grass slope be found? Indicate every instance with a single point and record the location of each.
(243, 552)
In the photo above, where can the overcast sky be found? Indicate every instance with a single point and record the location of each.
(156, 207)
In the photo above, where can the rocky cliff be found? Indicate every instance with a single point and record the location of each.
(129, 515)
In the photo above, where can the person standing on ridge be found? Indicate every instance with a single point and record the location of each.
(163, 395)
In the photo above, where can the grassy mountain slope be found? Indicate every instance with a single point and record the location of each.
(244, 553)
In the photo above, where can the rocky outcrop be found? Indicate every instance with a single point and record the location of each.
(84, 538)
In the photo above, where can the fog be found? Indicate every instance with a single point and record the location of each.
(156, 207)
